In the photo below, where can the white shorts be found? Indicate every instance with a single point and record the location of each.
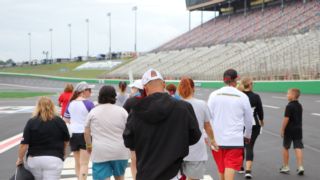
(45, 167)
(194, 169)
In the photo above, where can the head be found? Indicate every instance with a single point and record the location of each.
(122, 86)
(82, 89)
(136, 87)
(186, 88)
(107, 94)
(293, 94)
(230, 77)
(68, 88)
(171, 88)
(45, 109)
(246, 83)
(153, 82)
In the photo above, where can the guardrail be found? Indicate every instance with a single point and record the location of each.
(306, 86)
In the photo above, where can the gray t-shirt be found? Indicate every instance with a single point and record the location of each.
(121, 99)
(107, 123)
(198, 151)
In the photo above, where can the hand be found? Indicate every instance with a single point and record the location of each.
(214, 146)
(282, 133)
(19, 162)
(246, 140)
(261, 123)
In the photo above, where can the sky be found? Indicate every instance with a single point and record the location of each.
(157, 22)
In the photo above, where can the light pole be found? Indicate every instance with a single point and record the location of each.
(30, 58)
(70, 45)
(50, 30)
(109, 15)
(135, 8)
(87, 21)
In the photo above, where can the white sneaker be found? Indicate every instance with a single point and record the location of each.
(285, 169)
(300, 171)
(248, 175)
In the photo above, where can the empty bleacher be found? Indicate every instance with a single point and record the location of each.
(271, 45)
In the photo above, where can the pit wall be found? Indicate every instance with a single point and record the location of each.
(306, 86)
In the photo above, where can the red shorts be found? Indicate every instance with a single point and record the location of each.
(228, 158)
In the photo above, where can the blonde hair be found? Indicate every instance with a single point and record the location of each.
(45, 109)
(245, 83)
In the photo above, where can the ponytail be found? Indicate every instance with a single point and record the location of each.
(186, 87)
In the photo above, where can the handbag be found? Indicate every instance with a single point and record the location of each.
(22, 174)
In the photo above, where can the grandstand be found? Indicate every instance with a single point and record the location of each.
(273, 41)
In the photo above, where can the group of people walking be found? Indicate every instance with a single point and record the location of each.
(165, 133)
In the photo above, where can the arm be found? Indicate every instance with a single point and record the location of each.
(87, 138)
(21, 153)
(248, 118)
(284, 125)
(209, 131)
(128, 133)
(259, 110)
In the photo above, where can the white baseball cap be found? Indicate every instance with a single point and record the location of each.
(81, 86)
(137, 84)
(151, 75)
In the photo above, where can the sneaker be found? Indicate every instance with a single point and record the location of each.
(241, 171)
(285, 169)
(248, 175)
(300, 171)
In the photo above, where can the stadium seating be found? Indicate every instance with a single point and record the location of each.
(273, 44)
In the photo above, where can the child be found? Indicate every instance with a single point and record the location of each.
(291, 131)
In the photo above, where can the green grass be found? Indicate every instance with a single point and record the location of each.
(23, 94)
(61, 69)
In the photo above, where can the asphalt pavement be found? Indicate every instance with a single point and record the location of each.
(268, 146)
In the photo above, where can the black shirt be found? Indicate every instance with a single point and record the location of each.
(294, 113)
(131, 102)
(256, 104)
(160, 130)
(45, 138)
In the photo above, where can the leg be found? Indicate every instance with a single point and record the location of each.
(285, 154)
(299, 156)
(76, 155)
(221, 176)
(119, 177)
(33, 165)
(229, 174)
(133, 164)
(250, 146)
(84, 162)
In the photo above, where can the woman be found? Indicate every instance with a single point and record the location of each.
(194, 164)
(45, 138)
(122, 96)
(105, 125)
(65, 98)
(76, 114)
(255, 101)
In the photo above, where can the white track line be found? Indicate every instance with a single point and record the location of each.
(272, 107)
(279, 97)
(315, 114)
(31, 87)
(9, 143)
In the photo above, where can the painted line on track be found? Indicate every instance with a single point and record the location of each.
(305, 145)
(272, 107)
(279, 97)
(31, 87)
(9, 143)
(315, 114)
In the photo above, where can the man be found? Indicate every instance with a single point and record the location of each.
(231, 111)
(160, 129)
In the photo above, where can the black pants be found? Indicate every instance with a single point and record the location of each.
(249, 147)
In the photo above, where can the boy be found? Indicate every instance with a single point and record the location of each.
(291, 131)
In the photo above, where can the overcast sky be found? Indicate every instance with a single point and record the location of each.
(158, 22)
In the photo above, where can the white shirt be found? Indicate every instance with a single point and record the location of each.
(198, 151)
(77, 112)
(107, 123)
(231, 112)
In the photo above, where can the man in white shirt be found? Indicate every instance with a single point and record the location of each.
(231, 112)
